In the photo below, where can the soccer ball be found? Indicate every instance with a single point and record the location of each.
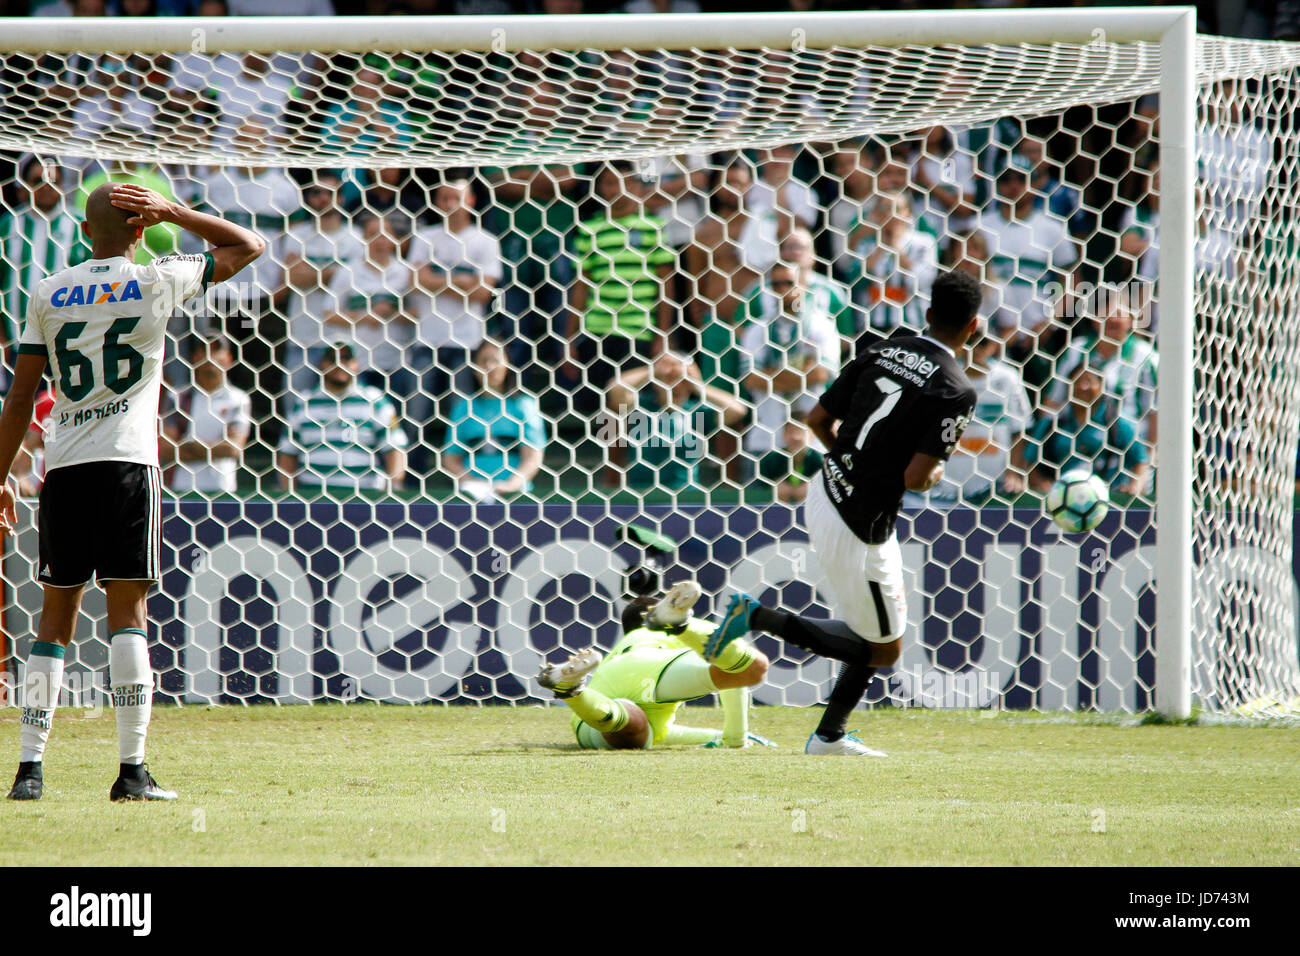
(1078, 501)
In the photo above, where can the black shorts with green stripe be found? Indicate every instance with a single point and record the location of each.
(100, 520)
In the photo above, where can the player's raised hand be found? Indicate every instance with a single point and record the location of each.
(8, 509)
(149, 206)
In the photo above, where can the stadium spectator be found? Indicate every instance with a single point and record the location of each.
(1123, 356)
(495, 434)
(246, 88)
(620, 310)
(342, 436)
(533, 212)
(204, 437)
(29, 465)
(370, 298)
(38, 238)
(1140, 228)
(981, 463)
(1029, 246)
(314, 251)
(792, 465)
(114, 98)
(262, 198)
(1087, 433)
(969, 252)
(664, 414)
(853, 185)
(788, 353)
(897, 265)
(392, 192)
(720, 340)
(822, 296)
(1060, 199)
(676, 184)
(370, 117)
(188, 120)
(732, 247)
(893, 174)
(459, 264)
(778, 193)
(946, 177)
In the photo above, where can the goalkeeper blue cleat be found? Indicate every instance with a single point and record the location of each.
(734, 625)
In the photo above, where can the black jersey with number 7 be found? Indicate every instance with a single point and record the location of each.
(905, 395)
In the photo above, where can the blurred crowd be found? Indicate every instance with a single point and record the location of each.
(659, 324)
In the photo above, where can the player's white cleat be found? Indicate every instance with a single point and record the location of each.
(847, 745)
(674, 608)
(568, 678)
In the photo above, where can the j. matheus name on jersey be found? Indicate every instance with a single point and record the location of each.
(898, 398)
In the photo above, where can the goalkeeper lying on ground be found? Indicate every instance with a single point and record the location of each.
(628, 700)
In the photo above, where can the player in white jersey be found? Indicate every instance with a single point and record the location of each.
(99, 326)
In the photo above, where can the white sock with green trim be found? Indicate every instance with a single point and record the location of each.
(42, 681)
(131, 680)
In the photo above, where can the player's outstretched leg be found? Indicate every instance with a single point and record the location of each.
(833, 639)
(606, 722)
(130, 678)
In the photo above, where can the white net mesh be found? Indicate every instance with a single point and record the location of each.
(588, 287)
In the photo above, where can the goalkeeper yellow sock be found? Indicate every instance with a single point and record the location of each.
(735, 715)
(598, 711)
(735, 657)
(688, 736)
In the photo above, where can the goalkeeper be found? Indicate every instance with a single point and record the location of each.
(628, 699)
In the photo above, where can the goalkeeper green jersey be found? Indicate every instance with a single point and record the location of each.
(632, 668)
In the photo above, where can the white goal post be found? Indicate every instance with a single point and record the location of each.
(1045, 61)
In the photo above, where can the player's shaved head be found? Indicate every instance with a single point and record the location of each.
(108, 223)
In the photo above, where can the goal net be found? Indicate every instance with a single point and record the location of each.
(530, 281)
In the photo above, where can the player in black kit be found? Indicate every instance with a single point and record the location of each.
(890, 420)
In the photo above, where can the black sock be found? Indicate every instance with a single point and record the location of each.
(828, 638)
(132, 771)
(847, 693)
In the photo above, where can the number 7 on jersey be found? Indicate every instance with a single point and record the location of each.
(893, 391)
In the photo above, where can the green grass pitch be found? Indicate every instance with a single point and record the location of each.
(365, 784)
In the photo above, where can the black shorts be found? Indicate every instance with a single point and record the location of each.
(101, 520)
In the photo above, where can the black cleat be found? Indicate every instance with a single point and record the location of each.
(134, 782)
(28, 785)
